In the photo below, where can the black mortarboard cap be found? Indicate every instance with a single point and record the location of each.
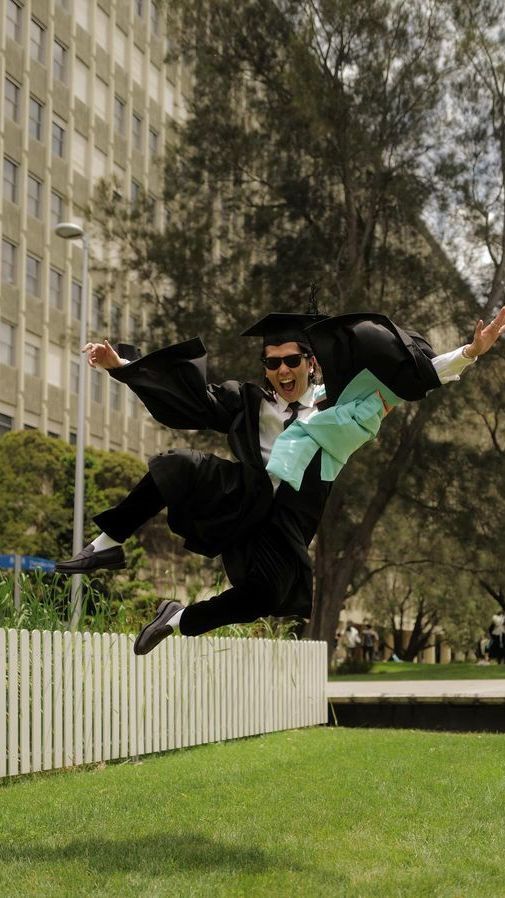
(283, 327)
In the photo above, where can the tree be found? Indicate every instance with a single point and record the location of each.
(307, 157)
(37, 491)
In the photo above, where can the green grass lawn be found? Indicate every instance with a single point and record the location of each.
(320, 812)
(406, 670)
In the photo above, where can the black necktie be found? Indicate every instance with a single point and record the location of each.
(294, 406)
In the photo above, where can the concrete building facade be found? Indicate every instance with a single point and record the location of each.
(86, 94)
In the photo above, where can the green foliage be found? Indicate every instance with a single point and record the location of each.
(37, 491)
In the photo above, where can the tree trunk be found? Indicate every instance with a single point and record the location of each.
(334, 576)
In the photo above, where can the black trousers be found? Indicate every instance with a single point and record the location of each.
(271, 575)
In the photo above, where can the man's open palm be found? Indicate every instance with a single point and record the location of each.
(485, 337)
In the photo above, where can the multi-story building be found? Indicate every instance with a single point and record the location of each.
(86, 94)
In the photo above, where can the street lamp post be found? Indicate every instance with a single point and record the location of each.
(70, 231)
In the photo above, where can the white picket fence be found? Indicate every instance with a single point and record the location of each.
(78, 698)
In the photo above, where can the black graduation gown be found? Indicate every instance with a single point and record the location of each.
(228, 508)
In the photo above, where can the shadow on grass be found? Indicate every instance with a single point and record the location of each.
(152, 854)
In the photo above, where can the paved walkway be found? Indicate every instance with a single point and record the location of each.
(369, 690)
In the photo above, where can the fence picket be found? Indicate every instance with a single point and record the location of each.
(67, 695)
(78, 701)
(88, 697)
(163, 695)
(123, 699)
(156, 698)
(132, 704)
(24, 702)
(3, 704)
(36, 697)
(47, 698)
(13, 756)
(115, 680)
(106, 706)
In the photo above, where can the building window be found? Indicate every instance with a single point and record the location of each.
(135, 191)
(101, 93)
(12, 94)
(59, 61)
(120, 47)
(96, 385)
(33, 267)
(58, 139)
(133, 327)
(169, 99)
(55, 365)
(81, 81)
(133, 407)
(136, 131)
(115, 395)
(10, 180)
(99, 164)
(137, 66)
(154, 83)
(55, 288)
(82, 14)
(96, 312)
(155, 17)
(72, 438)
(5, 424)
(34, 201)
(14, 20)
(9, 262)
(115, 320)
(35, 119)
(153, 142)
(139, 8)
(37, 41)
(57, 208)
(7, 338)
(119, 115)
(79, 152)
(102, 28)
(74, 376)
(32, 358)
(76, 300)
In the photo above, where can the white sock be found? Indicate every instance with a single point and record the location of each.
(104, 542)
(174, 621)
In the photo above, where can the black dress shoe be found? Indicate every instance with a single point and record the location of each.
(153, 633)
(90, 560)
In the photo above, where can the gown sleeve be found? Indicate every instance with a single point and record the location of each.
(172, 384)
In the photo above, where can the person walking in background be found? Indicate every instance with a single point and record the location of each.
(370, 641)
(352, 642)
(497, 637)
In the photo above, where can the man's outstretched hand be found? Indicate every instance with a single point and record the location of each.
(102, 355)
(485, 337)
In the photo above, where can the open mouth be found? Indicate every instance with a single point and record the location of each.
(287, 386)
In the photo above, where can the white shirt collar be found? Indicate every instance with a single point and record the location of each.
(306, 401)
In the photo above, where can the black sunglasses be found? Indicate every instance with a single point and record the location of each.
(292, 361)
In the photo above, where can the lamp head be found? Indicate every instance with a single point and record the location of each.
(69, 230)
